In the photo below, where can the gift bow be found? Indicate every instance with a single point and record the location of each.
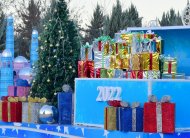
(13, 99)
(152, 98)
(103, 38)
(124, 104)
(37, 100)
(166, 99)
(135, 104)
(86, 45)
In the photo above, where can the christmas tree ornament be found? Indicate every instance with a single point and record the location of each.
(48, 114)
(66, 88)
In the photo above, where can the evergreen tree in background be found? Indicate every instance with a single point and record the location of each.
(130, 18)
(58, 54)
(2, 29)
(30, 14)
(115, 23)
(95, 29)
(171, 18)
(106, 30)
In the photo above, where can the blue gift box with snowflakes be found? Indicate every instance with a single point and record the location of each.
(65, 107)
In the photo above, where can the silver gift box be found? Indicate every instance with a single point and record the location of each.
(30, 112)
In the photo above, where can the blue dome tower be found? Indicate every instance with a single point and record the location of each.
(34, 48)
(10, 35)
(6, 78)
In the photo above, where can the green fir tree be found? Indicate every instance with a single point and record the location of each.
(58, 54)
(115, 23)
(95, 29)
(171, 18)
(130, 18)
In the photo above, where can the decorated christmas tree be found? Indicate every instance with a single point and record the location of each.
(58, 54)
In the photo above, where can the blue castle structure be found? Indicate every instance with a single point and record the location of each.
(6, 78)
(10, 35)
(34, 48)
(9, 65)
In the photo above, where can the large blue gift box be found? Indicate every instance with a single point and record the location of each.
(130, 119)
(124, 119)
(65, 107)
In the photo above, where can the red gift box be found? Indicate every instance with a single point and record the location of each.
(97, 71)
(137, 74)
(159, 117)
(86, 69)
(18, 91)
(12, 111)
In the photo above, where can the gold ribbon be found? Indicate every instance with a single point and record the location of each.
(86, 53)
(22, 99)
(159, 46)
(112, 61)
(136, 62)
(118, 62)
(106, 48)
(126, 62)
(37, 100)
(155, 61)
(29, 111)
(146, 61)
(81, 64)
(9, 111)
(13, 99)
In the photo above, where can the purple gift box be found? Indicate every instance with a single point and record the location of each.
(18, 91)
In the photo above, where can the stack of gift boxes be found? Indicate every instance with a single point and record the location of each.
(18, 106)
(130, 55)
(154, 117)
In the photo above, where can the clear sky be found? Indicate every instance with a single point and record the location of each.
(148, 9)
